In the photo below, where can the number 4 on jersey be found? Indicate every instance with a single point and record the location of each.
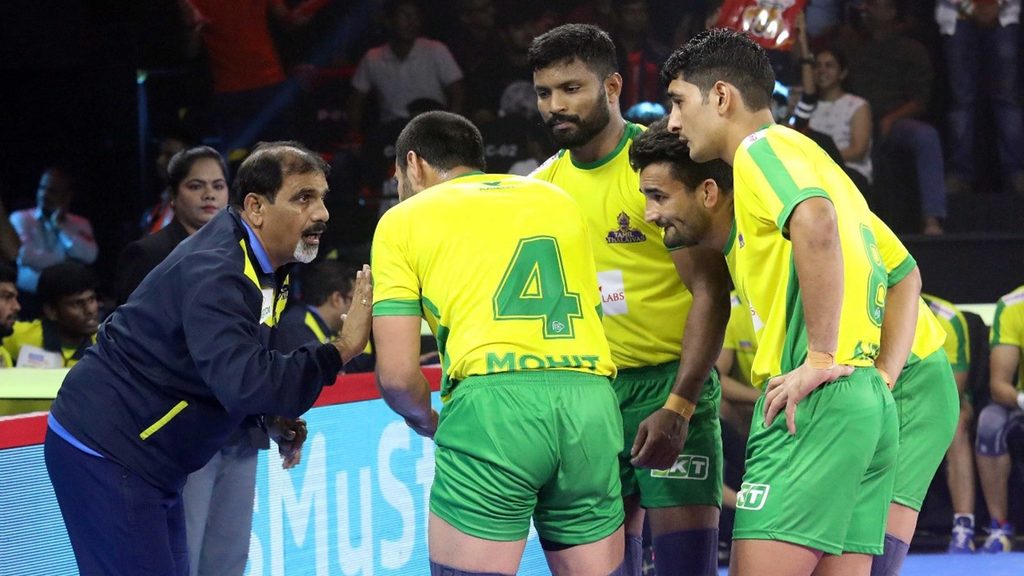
(533, 288)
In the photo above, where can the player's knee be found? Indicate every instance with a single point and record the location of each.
(620, 571)
(992, 423)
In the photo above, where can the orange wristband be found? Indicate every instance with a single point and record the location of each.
(885, 377)
(821, 360)
(680, 405)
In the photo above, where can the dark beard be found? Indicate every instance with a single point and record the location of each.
(586, 130)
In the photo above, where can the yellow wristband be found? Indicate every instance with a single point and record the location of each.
(680, 405)
(821, 360)
(885, 377)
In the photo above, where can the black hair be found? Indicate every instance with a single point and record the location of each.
(181, 163)
(391, 7)
(8, 273)
(584, 42)
(321, 279)
(840, 56)
(726, 55)
(265, 169)
(443, 139)
(64, 279)
(657, 144)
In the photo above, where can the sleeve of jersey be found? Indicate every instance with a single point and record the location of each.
(895, 256)
(1007, 324)
(960, 354)
(396, 288)
(787, 174)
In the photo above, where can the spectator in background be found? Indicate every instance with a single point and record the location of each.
(251, 100)
(894, 74)
(196, 178)
(319, 314)
(475, 38)
(50, 234)
(515, 142)
(69, 322)
(9, 309)
(9, 242)
(1003, 418)
(981, 40)
(407, 68)
(640, 56)
(162, 213)
(830, 110)
(959, 459)
(487, 84)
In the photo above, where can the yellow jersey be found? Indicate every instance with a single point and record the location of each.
(45, 339)
(501, 269)
(958, 341)
(645, 303)
(929, 334)
(1008, 326)
(5, 358)
(739, 336)
(775, 169)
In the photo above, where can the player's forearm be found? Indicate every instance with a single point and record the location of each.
(702, 335)
(407, 393)
(898, 327)
(1004, 393)
(819, 267)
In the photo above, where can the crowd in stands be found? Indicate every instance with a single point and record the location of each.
(898, 91)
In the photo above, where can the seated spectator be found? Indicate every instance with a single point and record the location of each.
(199, 190)
(981, 41)
(407, 68)
(9, 309)
(162, 213)
(894, 74)
(832, 110)
(9, 242)
(487, 84)
(959, 459)
(68, 326)
(319, 315)
(50, 234)
(1003, 418)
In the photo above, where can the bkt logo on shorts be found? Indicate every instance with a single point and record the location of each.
(685, 468)
(752, 496)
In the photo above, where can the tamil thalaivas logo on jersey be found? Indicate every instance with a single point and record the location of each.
(624, 234)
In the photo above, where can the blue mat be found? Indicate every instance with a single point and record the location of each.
(960, 565)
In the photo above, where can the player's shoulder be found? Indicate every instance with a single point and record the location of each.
(943, 308)
(1013, 300)
(547, 169)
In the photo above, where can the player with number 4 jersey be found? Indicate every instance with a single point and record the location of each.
(501, 268)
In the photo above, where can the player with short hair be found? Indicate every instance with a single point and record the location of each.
(818, 481)
(664, 312)
(529, 426)
(1003, 418)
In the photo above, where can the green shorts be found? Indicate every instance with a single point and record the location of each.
(928, 406)
(539, 444)
(827, 487)
(696, 477)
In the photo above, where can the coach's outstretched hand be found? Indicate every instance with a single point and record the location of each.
(659, 440)
(289, 435)
(355, 332)
(788, 390)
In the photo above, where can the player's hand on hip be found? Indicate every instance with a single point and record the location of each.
(289, 435)
(786, 391)
(426, 428)
(355, 332)
(659, 440)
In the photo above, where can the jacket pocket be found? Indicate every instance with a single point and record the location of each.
(163, 420)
